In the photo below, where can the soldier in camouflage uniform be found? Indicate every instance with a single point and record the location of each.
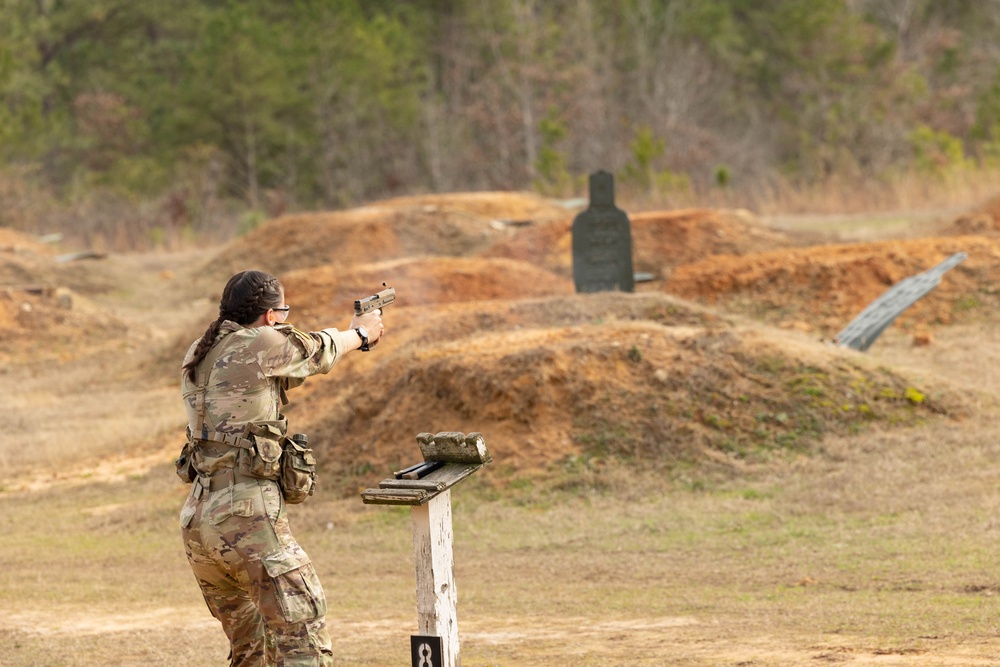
(256, 579)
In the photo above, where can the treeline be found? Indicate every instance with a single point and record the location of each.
(172, 115)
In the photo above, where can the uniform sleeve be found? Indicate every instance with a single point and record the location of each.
(289, 353)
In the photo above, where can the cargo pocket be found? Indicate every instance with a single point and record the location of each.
(243, 508)
(297, 589)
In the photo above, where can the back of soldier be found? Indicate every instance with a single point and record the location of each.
(255, 578)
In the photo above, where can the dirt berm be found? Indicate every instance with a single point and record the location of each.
(488, 335)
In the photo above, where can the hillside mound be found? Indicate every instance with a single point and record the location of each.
(323, 291)
(39, 324)
(501, 344)
(661, 240)
(983, 219)
(823, 288)
(441, 225)
(44, 311)
(26, 261)
(13, 241)
(575, 380)
(519, 207)
(23, 260)
(504, 346)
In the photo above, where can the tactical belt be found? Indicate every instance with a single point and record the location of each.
(221, 479)
(228, 439)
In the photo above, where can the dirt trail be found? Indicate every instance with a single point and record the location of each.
(150, 636)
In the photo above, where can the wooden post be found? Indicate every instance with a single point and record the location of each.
(449, 457)
(437, 597)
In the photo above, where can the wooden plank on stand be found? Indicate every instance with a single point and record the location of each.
(424, 484)
(394, 496)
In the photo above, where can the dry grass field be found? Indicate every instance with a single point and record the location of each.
(689, 475)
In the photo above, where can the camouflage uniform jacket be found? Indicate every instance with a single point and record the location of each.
(252, 368)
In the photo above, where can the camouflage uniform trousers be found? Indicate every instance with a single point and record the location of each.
(256, 579)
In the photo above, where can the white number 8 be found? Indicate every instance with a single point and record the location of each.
(424, 652)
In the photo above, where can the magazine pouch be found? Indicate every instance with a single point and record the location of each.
(298, 470)
(263, 458)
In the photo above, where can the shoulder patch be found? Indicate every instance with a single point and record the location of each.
(301, 339)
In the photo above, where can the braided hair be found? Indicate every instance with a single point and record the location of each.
(247, 296)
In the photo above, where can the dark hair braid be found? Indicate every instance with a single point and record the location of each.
(247, 296)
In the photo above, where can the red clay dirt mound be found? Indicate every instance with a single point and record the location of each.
(505, 347)
(661, 240)
(518, 207)
(331, 290)
(461, 224)
(23, 260)
(575, 380)
(823, 288)
(41, 318)
(15, 241)
(39, 324)
(984, 220)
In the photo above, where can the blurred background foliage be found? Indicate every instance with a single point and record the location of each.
(135, 123)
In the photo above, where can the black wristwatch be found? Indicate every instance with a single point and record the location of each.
(363, 333)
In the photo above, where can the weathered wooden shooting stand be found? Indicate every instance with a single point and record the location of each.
(448, 459)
